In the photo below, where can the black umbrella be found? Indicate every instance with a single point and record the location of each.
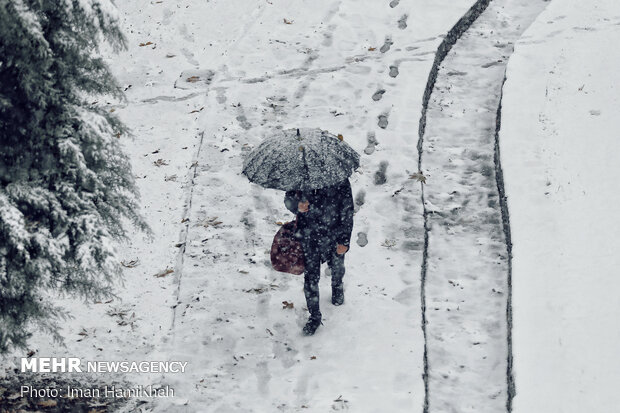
(301, 159)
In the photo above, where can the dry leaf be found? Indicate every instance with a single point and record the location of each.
(193, 79)
(286, 304)
(146, 44)
(163, 273)
(210, 222)
(340, 137)
(197, 110)
(288, 21)
(418, 176)
(130, 264)
(372, 49)
(313, 358)
(280, 223)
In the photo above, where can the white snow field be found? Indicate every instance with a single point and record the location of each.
(206, 81)
(559, 152)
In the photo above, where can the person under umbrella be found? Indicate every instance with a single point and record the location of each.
(313, 167)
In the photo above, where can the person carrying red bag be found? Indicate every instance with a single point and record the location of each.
(324, 227)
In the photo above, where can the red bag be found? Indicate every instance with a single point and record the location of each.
(287, 254)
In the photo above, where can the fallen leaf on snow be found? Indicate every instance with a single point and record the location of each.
(288, 21)
(130, 264)
(287, 305)
(210, 222)
(193, 79)
(418, 176)
(145, 44)
(163, 273)
(372, 49)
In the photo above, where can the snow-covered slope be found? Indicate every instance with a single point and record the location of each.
(559, 143)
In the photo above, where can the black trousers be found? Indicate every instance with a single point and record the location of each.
(312, 274)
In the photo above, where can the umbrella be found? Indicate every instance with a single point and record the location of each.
(301, 159)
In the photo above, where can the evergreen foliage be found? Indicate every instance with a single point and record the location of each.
(66, 188)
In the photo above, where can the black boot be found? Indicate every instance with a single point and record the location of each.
(338, 294)
(311, 326)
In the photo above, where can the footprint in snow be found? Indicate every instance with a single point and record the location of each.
(380, 175)
(386, 45)
(402, 22)
(393, 71)
(362, 239)
(383, 121)
(394, 3)
(378, 95)
(360, 198)
(372, 142)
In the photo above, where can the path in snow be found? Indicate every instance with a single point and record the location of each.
(466, 273)
(245, 347)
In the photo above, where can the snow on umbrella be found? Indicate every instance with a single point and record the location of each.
(300, 159)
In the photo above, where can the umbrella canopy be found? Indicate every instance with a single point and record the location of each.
(301, 159)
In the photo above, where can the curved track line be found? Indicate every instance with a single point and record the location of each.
(467, 270)
(442, 51)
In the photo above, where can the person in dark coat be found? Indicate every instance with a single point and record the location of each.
(324, 226)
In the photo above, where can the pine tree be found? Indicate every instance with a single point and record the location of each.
(66, 188)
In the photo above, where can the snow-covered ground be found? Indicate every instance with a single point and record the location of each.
(559, 143)
(206, 81)
(466, 279)
(323, 70)
(356, 68)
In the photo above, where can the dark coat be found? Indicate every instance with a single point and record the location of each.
(329, 220)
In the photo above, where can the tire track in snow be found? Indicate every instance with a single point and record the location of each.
(466, 266)
(442, 51)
